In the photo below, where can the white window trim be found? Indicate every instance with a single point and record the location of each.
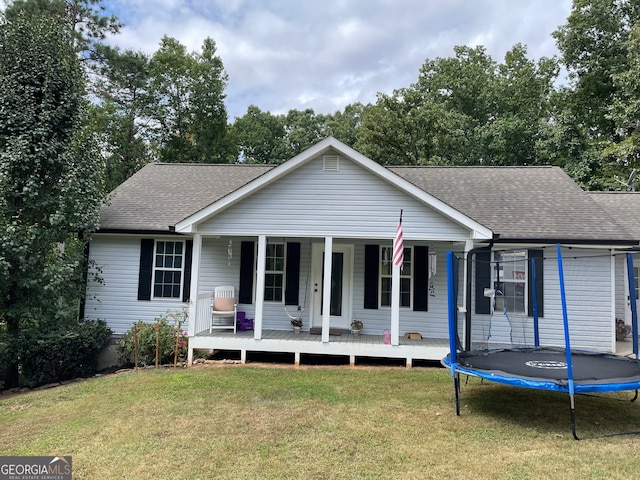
(154, 269)
(525, 280)
(381, 276)
(283, 272)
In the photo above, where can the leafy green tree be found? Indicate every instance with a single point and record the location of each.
(593, 48)
(51, 183)
(303, 128)
(84, 21)
(409, 128)
(345, 125)
(188, 112)
(260, 136)
(209, 113)
(122, 118)
(625, 112)
(465, 110)
(597, 48)
(519, 125)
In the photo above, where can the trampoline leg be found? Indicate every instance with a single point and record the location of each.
(635, 397)
(573, 418)
(456, 386)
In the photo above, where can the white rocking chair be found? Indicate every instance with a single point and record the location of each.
(224, 311)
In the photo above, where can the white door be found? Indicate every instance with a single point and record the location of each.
(341, 285)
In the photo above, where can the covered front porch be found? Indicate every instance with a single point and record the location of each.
(342, 344)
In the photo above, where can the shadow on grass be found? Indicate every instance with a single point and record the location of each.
(549, 412)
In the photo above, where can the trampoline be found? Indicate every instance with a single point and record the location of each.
(565, 370)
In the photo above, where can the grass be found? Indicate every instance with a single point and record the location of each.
(231, 422)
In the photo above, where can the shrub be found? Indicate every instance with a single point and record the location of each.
(71, 351)
(169, 329)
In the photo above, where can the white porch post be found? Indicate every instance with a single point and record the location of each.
(195, 280)
(262, 262)
(395, 304)
(326, 289)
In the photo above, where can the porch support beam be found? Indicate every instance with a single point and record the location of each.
(395, 305)
(326, 289)
(195, 281)
(262, 262)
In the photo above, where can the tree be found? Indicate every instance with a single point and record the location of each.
(597, 49)
(84, 21)
(50, 178)
(519, 124)
(303, 128)
(625, 112)
(122, 118)
(410, 128)
(345, 125)
(593, 47)
(188, 97)
(260, 136)
(465, 110)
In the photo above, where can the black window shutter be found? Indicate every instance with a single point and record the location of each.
(420, 279)
(371, 274)
(537, 255)
(292, 274)
(247, 253)
(146, 268)
(483, 280)
(188, 254)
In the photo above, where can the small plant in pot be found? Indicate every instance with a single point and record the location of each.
(622, 330)
(356, 326)
(296, 323)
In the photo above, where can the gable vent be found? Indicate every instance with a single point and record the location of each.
(331, 163)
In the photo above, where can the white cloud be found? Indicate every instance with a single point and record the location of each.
(290, 54)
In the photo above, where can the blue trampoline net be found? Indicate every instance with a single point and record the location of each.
(519, 298)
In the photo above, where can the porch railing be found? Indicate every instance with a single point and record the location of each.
(203, 312)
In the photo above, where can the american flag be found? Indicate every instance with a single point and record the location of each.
(398, 246)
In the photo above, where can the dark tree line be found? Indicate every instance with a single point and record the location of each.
(467, 109)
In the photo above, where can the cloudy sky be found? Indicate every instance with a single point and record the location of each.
(285, 54)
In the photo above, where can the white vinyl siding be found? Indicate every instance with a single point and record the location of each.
(115, 297)
(350, 203)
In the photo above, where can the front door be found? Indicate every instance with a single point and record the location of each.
(341, 285)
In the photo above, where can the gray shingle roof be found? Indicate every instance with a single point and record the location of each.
(623, 206)
(518, 203)
(162, 194)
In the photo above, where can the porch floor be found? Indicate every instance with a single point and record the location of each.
(345, 344)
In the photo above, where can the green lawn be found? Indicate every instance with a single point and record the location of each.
(241, 422)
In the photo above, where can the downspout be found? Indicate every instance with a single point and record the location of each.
(467, 319)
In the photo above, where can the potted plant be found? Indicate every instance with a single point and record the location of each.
(356, 326)
(622, 330)
(296, 323)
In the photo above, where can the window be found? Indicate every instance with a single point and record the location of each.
(386, 268)
(510, 281)
(168, 269)
(274, 274)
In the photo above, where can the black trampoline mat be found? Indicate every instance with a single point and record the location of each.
(551, 364)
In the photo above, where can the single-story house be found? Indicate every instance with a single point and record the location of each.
(173, 232)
